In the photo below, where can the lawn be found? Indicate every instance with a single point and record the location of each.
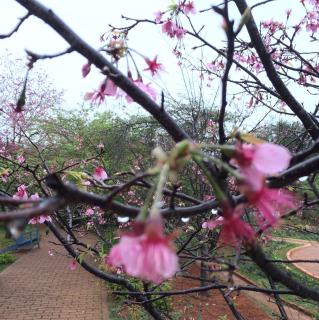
(297, 228)
(6, 258)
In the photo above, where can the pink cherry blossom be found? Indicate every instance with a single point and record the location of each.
(21, 193)
(312, 26)
(145, 253)
(271, 204)
(233, 228)
(179, 32)
(40, 219)
(158, 16)
(153, 66)
(89, 212)
(100, 174)
(20, 159)
(168, 28)
(107, 88)
(86, 69)
(144, 87)
(72, 265)
(188, 7)
(271, 158)
(4, 176)
(173, 30)
(257, 161)
(212, 224)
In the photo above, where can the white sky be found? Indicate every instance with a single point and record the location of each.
(90, 19)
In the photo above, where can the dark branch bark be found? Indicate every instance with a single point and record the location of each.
(273, 76)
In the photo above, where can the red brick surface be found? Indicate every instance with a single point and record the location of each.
(39, 286)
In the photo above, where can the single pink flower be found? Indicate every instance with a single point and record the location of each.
(100, 174)
(107, 88)
(168, 27)
(20, 159)
(271, 204)
(257, 161)
(4, 176)
(86, 69)
(212, 224)
(110, 88)
(21, 193)
(233, 228)
(268, 158)
(89, 212)
(179, 32)
(144, 87)
(153, 66)
(158, 16)
(72, 265)
(145, 253)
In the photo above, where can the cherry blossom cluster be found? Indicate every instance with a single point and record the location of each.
(255, 162)
(172, 26)
(23, 195)
(117, 48)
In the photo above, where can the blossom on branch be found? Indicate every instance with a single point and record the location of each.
(21, 193)
(257, 161)
(145, 252)
(173, 30)
(144, 87)
(271, 204)
(86, 69)
(187, 7)
(20, 159)
(107, 88)
(39, 219)
(158, 16)
(99, 174)
(153, 66)
(233, 228)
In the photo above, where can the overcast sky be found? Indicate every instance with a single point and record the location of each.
(90, 19)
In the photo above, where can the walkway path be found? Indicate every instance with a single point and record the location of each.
(308, 250)
(39, 286)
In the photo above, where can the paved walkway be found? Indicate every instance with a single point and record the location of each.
(38, 286)
(308, 250)
(262, 299)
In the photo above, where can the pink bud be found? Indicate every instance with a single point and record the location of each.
(86, 69)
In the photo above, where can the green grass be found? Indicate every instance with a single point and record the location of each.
(298, 228)
(5, 258)
(287, 232)
(278, 250)
(3, 241)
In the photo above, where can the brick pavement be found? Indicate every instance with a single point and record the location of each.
(38, 286)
